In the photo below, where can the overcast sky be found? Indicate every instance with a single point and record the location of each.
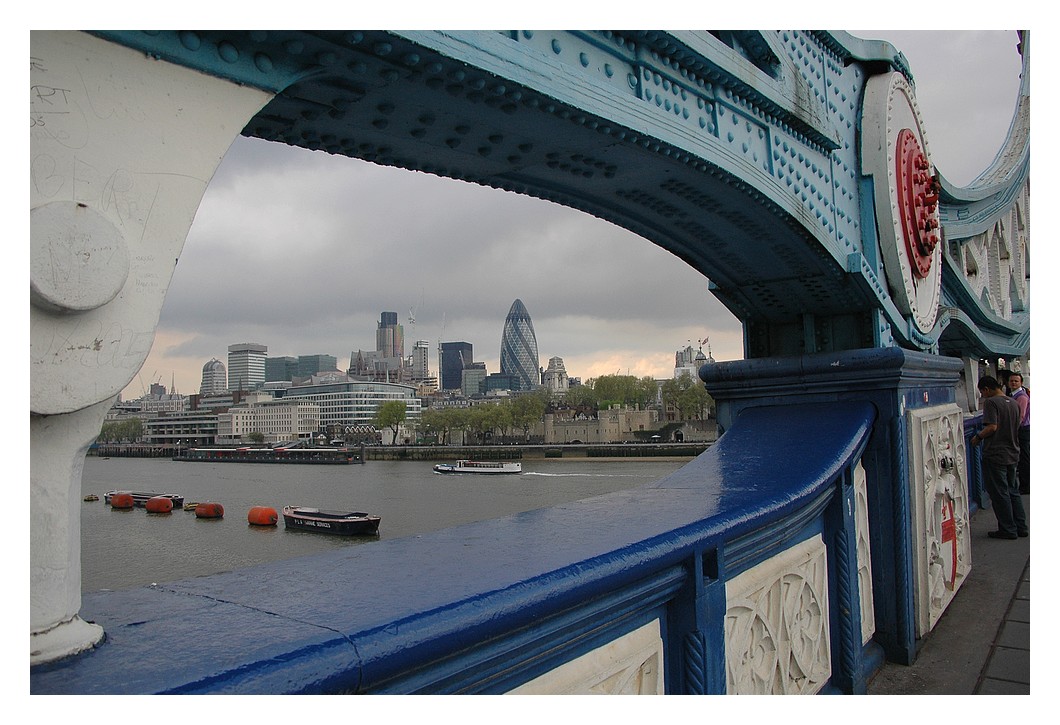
(301, 251)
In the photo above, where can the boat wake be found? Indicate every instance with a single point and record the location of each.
(580, 475)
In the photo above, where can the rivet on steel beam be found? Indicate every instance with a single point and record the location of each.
(190, 39)
(263, 62)
(228, 52)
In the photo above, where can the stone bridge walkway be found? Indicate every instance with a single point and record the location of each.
(982, 644)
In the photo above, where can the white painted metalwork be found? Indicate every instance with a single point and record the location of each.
(890, 107)
(122, 147)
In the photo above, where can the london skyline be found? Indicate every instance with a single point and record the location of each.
(301, 251)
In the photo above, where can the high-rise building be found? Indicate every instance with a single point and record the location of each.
(214, 378)
(472, 379)
(452, 358)
(519, 348)
(390, 336)
(421, 358)
(312, 364)
(280, 368)
(246, 366)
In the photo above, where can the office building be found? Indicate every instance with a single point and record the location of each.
(473, 379)
(275, 420)
(346, 402)
(421, 355)
(214, 378)
(246, 365)
(390, 336)
(452, 358)
(519, 356)
(281, 368)
(313, 364)
(181, 428)
(497, 382)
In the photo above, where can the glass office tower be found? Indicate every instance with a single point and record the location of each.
(519, 348)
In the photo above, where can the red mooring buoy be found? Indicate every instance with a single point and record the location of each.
(159, 505)
(262, 516)
(209, 510)
(121, 501)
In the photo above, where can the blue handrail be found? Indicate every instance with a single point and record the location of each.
(487, 606)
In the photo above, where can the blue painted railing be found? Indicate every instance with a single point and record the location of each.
(489, 606)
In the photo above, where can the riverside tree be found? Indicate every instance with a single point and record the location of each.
(688, 396)
(526, 410)
(129, 429)
(391, 414)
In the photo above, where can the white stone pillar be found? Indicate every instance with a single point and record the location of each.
(57, 449)
(122, 147)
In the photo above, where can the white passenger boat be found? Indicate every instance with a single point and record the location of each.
(490, 467)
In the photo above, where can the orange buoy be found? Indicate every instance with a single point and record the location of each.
(121, 501)
(209, 510)
(262, 516)
(159, 505)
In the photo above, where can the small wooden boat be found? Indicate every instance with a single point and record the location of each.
(140, 498)
(190, 506)
(342, 523)
(91, 497)
(487, 467)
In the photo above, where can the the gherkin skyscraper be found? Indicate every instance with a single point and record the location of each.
(519, 348)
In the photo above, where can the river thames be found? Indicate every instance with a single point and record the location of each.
(123, 549)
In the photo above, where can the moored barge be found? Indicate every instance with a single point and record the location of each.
(245, 454)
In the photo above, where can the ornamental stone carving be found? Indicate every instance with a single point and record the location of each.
(776, 624)
(938, 488)
(629, 665)
(861, 531)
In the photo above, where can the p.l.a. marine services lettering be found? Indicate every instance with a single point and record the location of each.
(318, 524)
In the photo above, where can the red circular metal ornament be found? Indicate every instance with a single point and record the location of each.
(918, 208)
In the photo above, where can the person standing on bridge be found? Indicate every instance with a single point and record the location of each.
(1022, 396)
(1001, 454)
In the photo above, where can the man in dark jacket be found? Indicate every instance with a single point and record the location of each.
(1001, 454)
(1022, 397)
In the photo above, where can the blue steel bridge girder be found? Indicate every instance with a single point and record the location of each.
(735, 151)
